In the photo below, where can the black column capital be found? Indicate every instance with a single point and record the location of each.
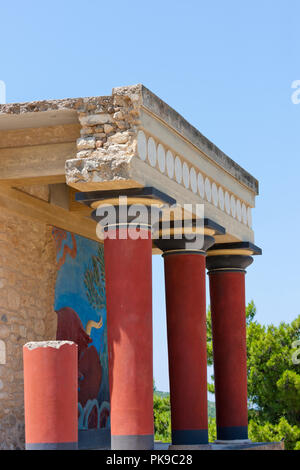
(231, 256)
(138, 207)
(186, 236)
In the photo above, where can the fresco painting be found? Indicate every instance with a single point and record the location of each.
(80, 304)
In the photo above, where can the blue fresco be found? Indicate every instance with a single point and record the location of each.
(81, 308)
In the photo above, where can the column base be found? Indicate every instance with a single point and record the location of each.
(51, 446)
(232, 442)
(232, 433)
(190, 437)
(132, 442)
(231, 446)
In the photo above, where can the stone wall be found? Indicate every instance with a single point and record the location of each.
(27, 283)
(108, 138)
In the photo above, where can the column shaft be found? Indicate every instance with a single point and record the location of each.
(227, 291)
(128, 267)
(186, 325)
(51, 395)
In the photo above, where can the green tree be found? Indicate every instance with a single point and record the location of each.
(273, 384)
(267, 432)
(273, 379)
(162, 421)
(212, 429)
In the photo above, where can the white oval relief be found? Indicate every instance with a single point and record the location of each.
(239, 210)
(186, 175)
(142, 145)
(244, 214)
(178, 170)
(170, 164)
(152, 151)
(215, 196)
(207, 186)
(221, 198)
(193, 180)
(201, 185)
(249, 217)
(227, 203)
(233, 206)
(161, 157)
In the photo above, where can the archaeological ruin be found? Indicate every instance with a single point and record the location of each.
(64, 163)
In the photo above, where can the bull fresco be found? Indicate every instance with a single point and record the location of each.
(80, 305)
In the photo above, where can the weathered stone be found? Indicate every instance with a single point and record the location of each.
(122, 124)
(4, 331)
(99, 135)
(101, 166)
(119, 116)
(32, 254)
(95, 119)
(86, 143)
(13, 299)
(39, 327)
(84, 153)
(98, 129)
(119, 138)
(22, 330)
(86, 130)
(108, 128)
(9, 420)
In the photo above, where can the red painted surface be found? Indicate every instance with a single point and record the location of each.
(69, 327)
(90, 375)
(128, 271)
(227, 291)
(186, 324)
(50, 394)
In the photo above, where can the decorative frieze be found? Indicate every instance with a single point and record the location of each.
(174, 166)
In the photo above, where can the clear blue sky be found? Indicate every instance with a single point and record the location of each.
(227, 67)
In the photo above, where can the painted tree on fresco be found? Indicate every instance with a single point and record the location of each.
(94, 282)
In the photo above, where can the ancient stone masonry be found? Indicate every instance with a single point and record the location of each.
(124, 144)
(61, 160)
(126, 140)
(108, 131)
(27, 278)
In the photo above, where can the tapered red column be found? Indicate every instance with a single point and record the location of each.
(227, 294)
(184, 259)
(186, 325)
(125, 218)
(129, 327)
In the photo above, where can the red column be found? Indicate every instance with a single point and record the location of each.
(186, 325)
(227, 293)
(51, 395)
(128, 268)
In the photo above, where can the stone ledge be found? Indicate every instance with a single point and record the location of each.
(232, 446)
(102, 110)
